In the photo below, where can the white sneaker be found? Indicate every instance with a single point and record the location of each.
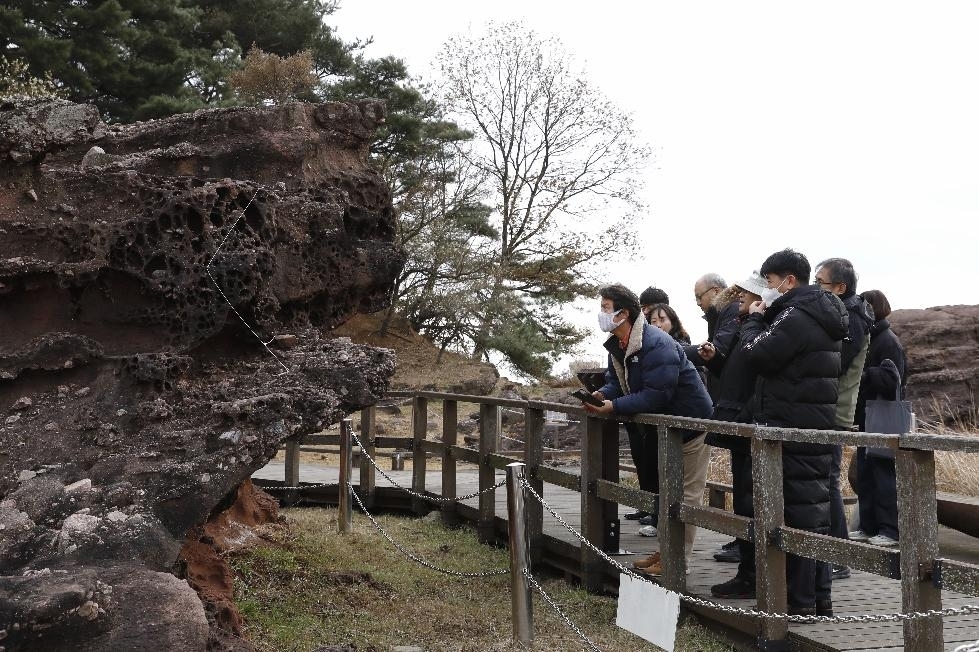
(882, 540)
(647, 531)
(858, 535)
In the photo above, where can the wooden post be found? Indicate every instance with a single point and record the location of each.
(368, 476)
(292, 463)
(918, 525)
(716, 498)
(489, 442)
(534, 458)
(766, 480)
(670, 529)
(450, 437)
(419, 428)
(599, 461)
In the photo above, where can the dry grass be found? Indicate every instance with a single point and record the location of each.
(312, 587)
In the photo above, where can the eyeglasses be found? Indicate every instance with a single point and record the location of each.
(700, 296)
(824, 284)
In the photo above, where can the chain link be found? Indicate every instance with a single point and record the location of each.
(867, 618)
(434, 499)
(415, 558)
(557, 609)
(968, 647)
(302, 486)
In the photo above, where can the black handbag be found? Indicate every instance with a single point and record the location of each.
(890, 418)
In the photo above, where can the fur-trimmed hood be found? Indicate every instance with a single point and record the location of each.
(726, 297)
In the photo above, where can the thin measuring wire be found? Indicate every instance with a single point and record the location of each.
(225, 297)
(434, 499)
(865, 618)
(559, 612)
(415, 558)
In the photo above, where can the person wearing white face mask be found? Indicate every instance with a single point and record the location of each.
(792, 339)
(648, 372)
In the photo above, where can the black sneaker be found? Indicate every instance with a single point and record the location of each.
(730, 555)
(840, 572)
(733, 543)
(635, 516)
(824, 607)
(801, 611)
(648, 519)
(739, 587)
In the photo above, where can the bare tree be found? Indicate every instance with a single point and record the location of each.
(563, 164)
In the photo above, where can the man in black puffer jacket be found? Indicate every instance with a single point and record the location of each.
(793, 340)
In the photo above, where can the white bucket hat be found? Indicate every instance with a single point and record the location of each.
(754, 283)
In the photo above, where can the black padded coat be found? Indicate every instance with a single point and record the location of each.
(795, 348)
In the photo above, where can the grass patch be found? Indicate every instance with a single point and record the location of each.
(311, 587)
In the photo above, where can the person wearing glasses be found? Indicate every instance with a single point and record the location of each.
(837, 275)
(720, 311)
(792, 338)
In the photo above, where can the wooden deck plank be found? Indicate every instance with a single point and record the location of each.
(850, 596)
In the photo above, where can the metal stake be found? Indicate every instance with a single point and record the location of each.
(345, 517)
(523, 616)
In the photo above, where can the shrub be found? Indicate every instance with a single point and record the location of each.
(268, 78)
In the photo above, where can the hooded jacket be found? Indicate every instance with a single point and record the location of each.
(795, 348)
(877, 382)
(653, 376)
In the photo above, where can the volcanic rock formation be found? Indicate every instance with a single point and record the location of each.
(164, 290)
(942, 347)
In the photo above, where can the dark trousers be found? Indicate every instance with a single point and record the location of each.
(877, 491)
(837, 514)
(807, 580)
(743, 506)
(644, 446)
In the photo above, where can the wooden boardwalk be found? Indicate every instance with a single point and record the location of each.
(862, 593)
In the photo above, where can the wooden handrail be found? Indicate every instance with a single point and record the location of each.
(922, 573)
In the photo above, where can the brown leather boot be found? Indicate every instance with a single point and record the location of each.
(646, 562)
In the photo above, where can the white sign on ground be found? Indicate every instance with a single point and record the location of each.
(648, 610)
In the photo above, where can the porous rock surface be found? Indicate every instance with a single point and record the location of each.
(165, 288)
(942, 348)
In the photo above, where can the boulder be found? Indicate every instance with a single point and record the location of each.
(167, 290)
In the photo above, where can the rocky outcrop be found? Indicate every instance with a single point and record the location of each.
(165, 290)
(942, 346)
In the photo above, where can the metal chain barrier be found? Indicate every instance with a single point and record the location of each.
(867, 618)
(558, 611)
(302, 486)
(434, 499)
(968, 647)
(415, 558)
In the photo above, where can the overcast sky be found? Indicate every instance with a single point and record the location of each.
(836, 128)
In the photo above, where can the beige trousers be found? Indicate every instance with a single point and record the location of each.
(696, 460)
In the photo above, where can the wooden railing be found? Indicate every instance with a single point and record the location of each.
(917, 563)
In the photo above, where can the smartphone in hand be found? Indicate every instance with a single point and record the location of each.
(586, 397)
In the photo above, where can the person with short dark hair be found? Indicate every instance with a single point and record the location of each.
(653, 295)
(884, 376)
(649, 373)
(793, 339)
(837, 275)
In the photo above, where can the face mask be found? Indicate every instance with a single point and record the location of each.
(769, 295)
(606, 321)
